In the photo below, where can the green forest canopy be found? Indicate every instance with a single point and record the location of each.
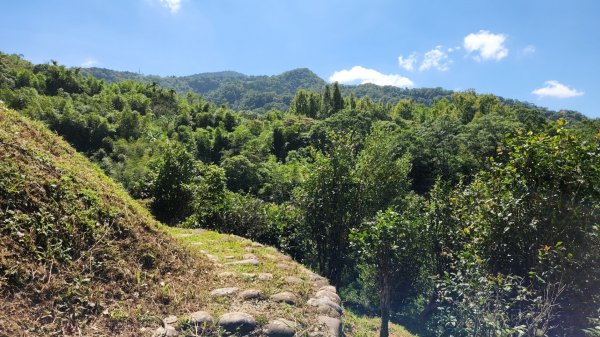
(499, 199)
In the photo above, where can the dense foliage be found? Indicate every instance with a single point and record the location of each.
(476, 215)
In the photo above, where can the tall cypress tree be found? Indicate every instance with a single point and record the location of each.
(327, 106)
(278, 144)
(338, 100)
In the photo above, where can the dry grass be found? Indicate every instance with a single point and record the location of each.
(77, 255)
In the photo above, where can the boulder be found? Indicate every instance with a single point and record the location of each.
(293, 280)
(170, 320)
(166, 331)
(201, 319)
(285, 297)
(280, 328)
(265, 276)
(333, 325)
(251, 294)
(330, 295)
(250, 256)
(237, 322)
(224, 292)
(326, 306)
(329, 288)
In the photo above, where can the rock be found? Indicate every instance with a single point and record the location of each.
(326, 306)
(315, 277)
(237, 322)
(256, 244)
(250, 256)
(283, 266)
(229, 257)
(330, 295)
(251, 294)
(334, 325)
(243, 262)
(248, 276)
(201, 319)
(285, 297)
(280, 328)
(170, 320)
(285, 257)
(226, 274)
(213, 258)
(166, 331)
(265, 276)
(224, 291)
(293, 280)
(321, 283)
(329, 288)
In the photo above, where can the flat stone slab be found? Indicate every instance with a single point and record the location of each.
(256, 244)
(333, 325)
(237, 322)
(265, 276)
(284, 266)
(248, 276)
(285, 297)
(329, 288)
(201, 319)
(280, 328)
(252, 262)
(166, 331)
(226, 274)
(330, 295)
(213, 258)
(224, 291)
(293, 280)
(250, 256)
(251, 294)
(170, 320)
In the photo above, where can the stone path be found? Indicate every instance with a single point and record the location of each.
(240, 290)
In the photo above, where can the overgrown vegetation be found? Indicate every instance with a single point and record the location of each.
(75, 251)
(499, 199)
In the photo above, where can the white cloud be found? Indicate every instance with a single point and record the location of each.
(409, 62)
(89, 62)
(488, 46)
(436, 58)
(529, 50)
(557, 90)
(362, 75)
(172, 5)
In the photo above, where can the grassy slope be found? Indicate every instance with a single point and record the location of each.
(78, 256)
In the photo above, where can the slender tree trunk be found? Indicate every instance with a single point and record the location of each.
(385, 307)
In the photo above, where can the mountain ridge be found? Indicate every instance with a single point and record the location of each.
(261, 93)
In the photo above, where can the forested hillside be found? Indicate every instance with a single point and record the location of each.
(467, 215)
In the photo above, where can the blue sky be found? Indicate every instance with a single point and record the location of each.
(544, 52)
